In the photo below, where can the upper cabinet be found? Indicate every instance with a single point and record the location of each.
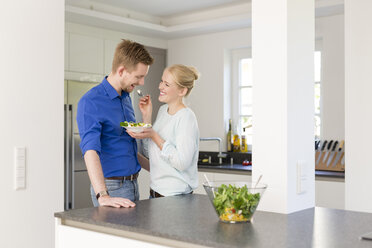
(85, 54)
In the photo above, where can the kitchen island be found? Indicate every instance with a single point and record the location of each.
(190, 221)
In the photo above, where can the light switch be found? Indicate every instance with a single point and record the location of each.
(19, 168)
(301, 176)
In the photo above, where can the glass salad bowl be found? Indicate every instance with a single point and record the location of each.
(234, 201)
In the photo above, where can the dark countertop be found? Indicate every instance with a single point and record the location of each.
(191, 219)
(240, 168)
(234, 167)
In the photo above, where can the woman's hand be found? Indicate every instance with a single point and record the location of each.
(145, 106)
(147, 133)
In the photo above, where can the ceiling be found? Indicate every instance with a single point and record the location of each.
(170, 19)
(163, 8)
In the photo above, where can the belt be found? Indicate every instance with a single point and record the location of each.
(130, 178)
(155, 194)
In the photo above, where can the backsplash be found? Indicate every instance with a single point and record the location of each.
(238, 157)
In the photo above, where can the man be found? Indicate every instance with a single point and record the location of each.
(110, 154)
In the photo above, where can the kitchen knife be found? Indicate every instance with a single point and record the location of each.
(343, 159)
(332, 153)
(328, 151)
(317, 149)
(317, 142)
(340, 148)
(321, 152)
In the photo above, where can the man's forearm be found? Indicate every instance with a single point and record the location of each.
(94, 167)
(98, 181)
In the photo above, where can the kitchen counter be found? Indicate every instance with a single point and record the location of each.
(238, 168)
(229, 167)
(190, 221)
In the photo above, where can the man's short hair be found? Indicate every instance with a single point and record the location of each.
(128, 54)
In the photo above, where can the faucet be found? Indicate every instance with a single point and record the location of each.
(220, 154)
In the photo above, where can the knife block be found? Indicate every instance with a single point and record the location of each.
(333, 165)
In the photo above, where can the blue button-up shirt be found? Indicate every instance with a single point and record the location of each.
(99, 114)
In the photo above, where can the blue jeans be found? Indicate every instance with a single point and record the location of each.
(119, 188)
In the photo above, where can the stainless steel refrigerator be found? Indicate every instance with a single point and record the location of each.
(77, 183)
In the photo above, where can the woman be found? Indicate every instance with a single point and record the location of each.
(172, 144)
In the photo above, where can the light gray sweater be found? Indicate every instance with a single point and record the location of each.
(174, 169)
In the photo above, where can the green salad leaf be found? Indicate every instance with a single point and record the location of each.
(238, 198)
(134, 124)
(124, 124)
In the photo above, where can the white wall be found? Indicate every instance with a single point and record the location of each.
(358, 117)
(283, 103)
(330, 31)
(31, 107)
(206, 52)
(207, 99)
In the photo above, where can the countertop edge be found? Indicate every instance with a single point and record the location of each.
(238, 169)
(140, 234)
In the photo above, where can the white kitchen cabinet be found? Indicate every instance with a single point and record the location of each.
(330, 193)
(232, 177)
(200, 189)
(144, 184)
(216, 176)
(85, 54)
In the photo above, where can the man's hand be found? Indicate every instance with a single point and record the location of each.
(116, 202)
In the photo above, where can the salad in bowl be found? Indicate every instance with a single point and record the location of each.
(135, 127)
(234, 201)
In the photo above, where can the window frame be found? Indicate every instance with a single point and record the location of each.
(318, 48)
(236, 56)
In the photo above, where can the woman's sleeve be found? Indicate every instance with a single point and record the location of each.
(145, 142)
(181, 154)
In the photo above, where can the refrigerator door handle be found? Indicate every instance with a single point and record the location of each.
(72, 156)
(67, 164)
(68, 158)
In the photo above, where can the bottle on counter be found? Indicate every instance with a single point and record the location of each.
(229, 138)
(236, 142)
(244, 147)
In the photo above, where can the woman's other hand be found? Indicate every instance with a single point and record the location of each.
(147, 133)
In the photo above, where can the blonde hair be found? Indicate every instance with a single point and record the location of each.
(184, 76)
(128, 54)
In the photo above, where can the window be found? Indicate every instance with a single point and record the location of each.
(242, 93)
